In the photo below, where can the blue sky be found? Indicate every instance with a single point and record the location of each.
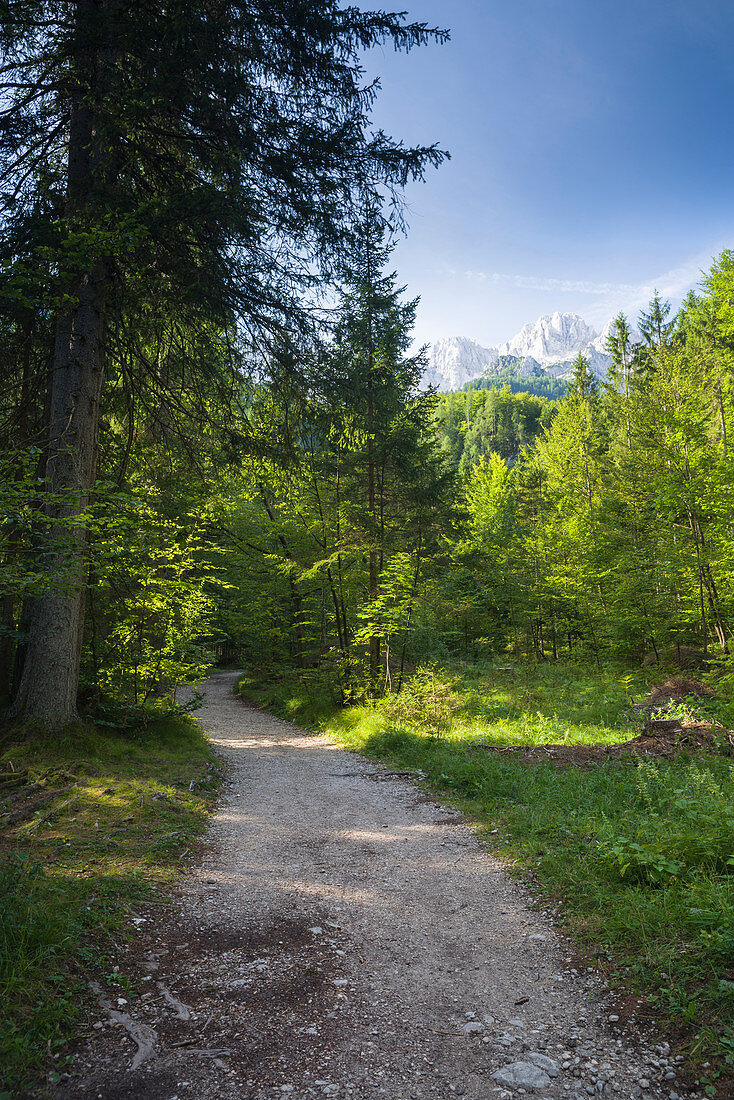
(592, 157)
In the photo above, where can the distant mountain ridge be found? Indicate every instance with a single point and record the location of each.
(547, 346)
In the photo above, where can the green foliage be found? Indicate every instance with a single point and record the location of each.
(655, 328)
(306, 696)
(153, 602)
(607, 527)
(181, 187)
(427, 703)
(583, 383)
(475, 423)
(25, 527)
(620, 347)
(649, 860)
(684, 829)
(541, 385)
(326, 554)
(37, 927)
(286, 496)
(27, 928)
(715, 930)
(207, 121)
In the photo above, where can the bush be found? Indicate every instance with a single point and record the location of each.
(427, 703)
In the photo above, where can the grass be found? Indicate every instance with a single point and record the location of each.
(113, 818)
(638, 854)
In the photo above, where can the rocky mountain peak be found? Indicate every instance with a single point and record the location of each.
(455, 361)
(552, 338)
(548, 345)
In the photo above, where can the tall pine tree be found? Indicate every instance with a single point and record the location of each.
(202, 154)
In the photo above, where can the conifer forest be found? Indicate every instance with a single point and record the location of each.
(218, 452)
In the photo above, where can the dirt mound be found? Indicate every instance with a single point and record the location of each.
(664, 742)
(663, 735)
(670, 738)
(671, 692)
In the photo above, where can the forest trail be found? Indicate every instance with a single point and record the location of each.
(345, 936)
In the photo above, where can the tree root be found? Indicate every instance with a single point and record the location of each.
(26, 811)
(12, 779)
(54, 809)
(183, 1012)
(142, 1034)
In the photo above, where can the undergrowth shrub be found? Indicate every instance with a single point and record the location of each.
(427, 703)
(680, 829)
(37, 996)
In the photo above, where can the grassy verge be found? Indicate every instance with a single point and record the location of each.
(639, 853)
(92, 825)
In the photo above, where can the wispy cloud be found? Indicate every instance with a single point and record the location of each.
(672, 284)
(535, 282)
(679, 280)
(604, 298)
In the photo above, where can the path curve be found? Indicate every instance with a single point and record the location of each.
(345, 936)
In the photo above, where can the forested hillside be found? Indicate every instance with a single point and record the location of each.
(542, 385)
(491, 419)
(612, 531)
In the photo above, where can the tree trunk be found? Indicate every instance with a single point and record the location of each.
(7, 625)
(554, 638)
(373, 558)
(48, 688)
(297, 640)
(47, 692)
(371, 496)
(722, 415)
(8, 647)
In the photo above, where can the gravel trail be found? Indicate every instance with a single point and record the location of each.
(345, 936)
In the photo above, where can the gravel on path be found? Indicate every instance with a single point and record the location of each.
(346, 936)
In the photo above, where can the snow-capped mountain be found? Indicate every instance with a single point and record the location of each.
(551, 339)
(455, 361)
(546, 346)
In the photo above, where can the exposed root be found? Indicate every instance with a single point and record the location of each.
(140, 1033)
(183, 1012)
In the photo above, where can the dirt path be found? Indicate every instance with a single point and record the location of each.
(345, 936)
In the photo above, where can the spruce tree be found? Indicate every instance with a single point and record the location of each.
(205, 156)
(583, 382)
(656, 330)
(377, 383)
(620, 347)
(653, 323)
